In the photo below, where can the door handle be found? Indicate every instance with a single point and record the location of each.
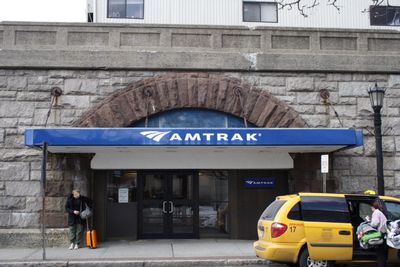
(344, 232)
(171, 210)
(163, 207)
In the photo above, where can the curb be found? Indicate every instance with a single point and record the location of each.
(143, 263)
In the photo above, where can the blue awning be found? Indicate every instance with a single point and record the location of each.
(105, 137)
(159, 148)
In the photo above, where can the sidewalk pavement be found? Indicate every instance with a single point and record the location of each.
(143, 253)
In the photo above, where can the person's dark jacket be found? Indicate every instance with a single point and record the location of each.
(76, 204)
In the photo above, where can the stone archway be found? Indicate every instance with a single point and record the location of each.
(191, 90)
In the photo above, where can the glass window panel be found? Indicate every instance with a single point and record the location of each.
(193, 118)
(364, 210)
(153, 122)
(213, 203)
(271, 211)
(134, 9)
(393, 16)
(236, 122)
(269, 12)
(153, 187)
(116, 9)
(251, 12)
(378, 15)
(393, 210)
(182, 219)
(153, 218)
(294, 213)
(385, 15)
(118, 183)
(181, 187)
(325, 209)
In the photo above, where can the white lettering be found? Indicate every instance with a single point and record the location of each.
(251, 137)
(237, 136)
(208, 136)
(194, 137)
(222, 136)
(175, 136)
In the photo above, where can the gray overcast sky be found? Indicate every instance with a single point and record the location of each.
(43, 10)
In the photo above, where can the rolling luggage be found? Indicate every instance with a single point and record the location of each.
(91, 238)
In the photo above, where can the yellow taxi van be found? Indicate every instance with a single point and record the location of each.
(318, 229)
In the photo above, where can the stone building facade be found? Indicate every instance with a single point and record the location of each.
(280, 74)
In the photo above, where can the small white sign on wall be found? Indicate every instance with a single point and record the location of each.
(324, 163)
(123, 195)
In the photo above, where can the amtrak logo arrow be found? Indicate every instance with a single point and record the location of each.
(154, 135)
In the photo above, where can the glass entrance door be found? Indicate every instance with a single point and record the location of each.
(168, 205)
(152, 204)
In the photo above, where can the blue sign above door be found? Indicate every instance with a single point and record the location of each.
(259, 182)
(193, 137)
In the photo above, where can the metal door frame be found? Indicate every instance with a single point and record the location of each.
(168, 219)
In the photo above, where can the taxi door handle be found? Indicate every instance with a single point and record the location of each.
(344, 232)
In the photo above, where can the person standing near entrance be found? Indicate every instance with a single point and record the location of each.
(75, 204)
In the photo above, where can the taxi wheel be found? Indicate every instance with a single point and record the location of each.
(306, 261)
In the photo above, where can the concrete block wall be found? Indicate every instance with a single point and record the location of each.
(180, 47)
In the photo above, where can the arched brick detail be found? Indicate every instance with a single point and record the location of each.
(191, 90)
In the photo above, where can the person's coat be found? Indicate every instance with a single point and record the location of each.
(79, 205)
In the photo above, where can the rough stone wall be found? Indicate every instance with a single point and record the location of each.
(25, 100)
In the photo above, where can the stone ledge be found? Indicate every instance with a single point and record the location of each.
(226, 61)
(32, 238)
(34, 264)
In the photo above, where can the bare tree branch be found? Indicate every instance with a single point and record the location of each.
(334, 4)
(299, 4)
(377, 3)
(303, 6)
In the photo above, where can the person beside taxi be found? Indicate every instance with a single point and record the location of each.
(378, 221)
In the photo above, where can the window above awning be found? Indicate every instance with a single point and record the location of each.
(95, 140)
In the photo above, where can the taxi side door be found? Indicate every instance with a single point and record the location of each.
(327, 226)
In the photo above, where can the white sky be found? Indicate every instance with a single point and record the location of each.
(43, 10)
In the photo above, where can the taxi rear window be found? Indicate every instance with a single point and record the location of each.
(294, 213)
(271, 211)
